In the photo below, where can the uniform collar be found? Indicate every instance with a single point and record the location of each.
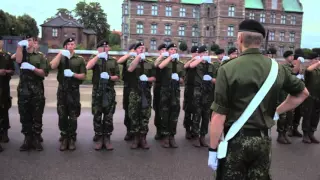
(251, 51)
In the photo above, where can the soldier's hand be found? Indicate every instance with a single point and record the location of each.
(65, 53)
(2, 72)
(143, 77)
(174, 56)
(207, 78)
(104, 75)
(142, 56)
(175, 76)
(213, 160)
(197, 57)
(103, 55)
(68, 73)
(23, 43)
(276, 116)
(301, 59)
(207, 58)
(28, 66)
(133, 54)
(225, 58)
(165, 54)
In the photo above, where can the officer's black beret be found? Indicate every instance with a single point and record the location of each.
(102, 43)
(138, 45)
(162, 46)
(202, 49)
(131, 47)
(171, 46)
(250, 25)
(68, 40)
(194, 49)
(219, 51)
(232, 50)
(287, 54)
(313, 55)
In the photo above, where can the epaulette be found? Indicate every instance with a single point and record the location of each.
(149, 60)
(181, 62)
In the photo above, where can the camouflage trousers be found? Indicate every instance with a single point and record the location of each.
(285, 121)
(156, 106)
(169, 110)
(248, 158)
(5, 105)
(31, 102)
(103, 125)
(125, 103)
(202, 101)
(311, 114)
(139, 117)
(187, 107)
(69, 109)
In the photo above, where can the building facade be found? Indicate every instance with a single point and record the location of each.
(205, 22)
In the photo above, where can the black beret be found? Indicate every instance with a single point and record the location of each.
(28, 36)
(287, 54)
(296, 56)
(1, 38)
(138, 45)
(269, 52)
(250, 25)
(131, 47)
(219, 51)
(102, 43)
(202, 49)
(68, 40)
(313, 55)
(171, 46)
(162, 46)
(194, 49)
(232, 50)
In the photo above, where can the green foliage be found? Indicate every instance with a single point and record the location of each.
(114, 39)
(316, 50)
(307, 52)
(80, 47)
(116, 48)
(183, 46)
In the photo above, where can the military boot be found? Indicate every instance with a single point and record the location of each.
(40, 138)
(165, 142)
(128, 137)
(107, 143)
(64, 144)
(72, 145)
(95, 138)
(188, 134)
(1, 149)
(281, 138)
(135, 143)
(5, 137)
(203, 142)
(294, 132)
(61, 139)
(36, 143)
(27, 144)
(98, 143)
(285, 135)
(306, 138)
(158, 136)
(196, 142)
(313, 139)
(172, 142)
(143, 142)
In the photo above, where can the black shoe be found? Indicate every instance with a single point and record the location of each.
(281, 138)
(63, 144)
(37, 143)
(158, 136)
(27, 144)
(306, 138)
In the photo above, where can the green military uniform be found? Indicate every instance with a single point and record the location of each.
(170, 101)
(104, 94)
(31, 99)
(156, 103)
(5, 99)
(139, 107)
(237, 83)
(68, 96)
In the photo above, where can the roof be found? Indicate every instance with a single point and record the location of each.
(292, 6)
(254, 4)
(89, 31)
(60, 21)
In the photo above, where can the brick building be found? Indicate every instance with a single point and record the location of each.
(206, 22)
(61, 27)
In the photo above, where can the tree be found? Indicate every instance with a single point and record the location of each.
(28, 25)
(316, 50)
(299, 51)
(307, 52)
(115, 48)
(114, 39)
(214, 47)
(64, 11)
(183, 46)
(93, 17)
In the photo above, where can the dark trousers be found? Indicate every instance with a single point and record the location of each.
(285, 121)
(125, 103)
(156, 107)
(311, 115)
(297, 116)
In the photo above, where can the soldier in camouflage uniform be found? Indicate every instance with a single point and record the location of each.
(232, 53)
(141, 73)
(71, 73)
(171, 77)
(156, 92)
(30, 90)
(188, 94)
(248, 152)
(105, 73)
(6, 71)
(125, 102)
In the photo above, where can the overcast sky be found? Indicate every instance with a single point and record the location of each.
(42, 9)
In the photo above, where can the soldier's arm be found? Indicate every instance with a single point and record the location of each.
(187, 65)
(92, 62)
(42, 70)
(133, 64)
(313, 66)
(157, 61)
(10, 65)
(165, 62)
(195, 63)
(18, 54)
(123, 58)
(296, 67)
(220, 108)
(116, 76)
(56, 61)
(82, 74)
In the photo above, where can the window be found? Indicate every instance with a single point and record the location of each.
(251, 15)
(274, 4)
(168, 11)
(140, 40)
(195, 13)
(154, 10)
(140, 9)
(139, 28)
(231, 11)
(54, 32)
(153, 44)
(292, 37)
(208, 12)
(126, 28)
(293, 20)
(283, 19)
(195, 31)
(230, 30)
(271, 36)
(281, 50)
(182, 30)
(182, 12)
(126, 9)
(167, 29)
(194, 43)
(154, 28)
(273, 18)
(281, 36)
(262, 18)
